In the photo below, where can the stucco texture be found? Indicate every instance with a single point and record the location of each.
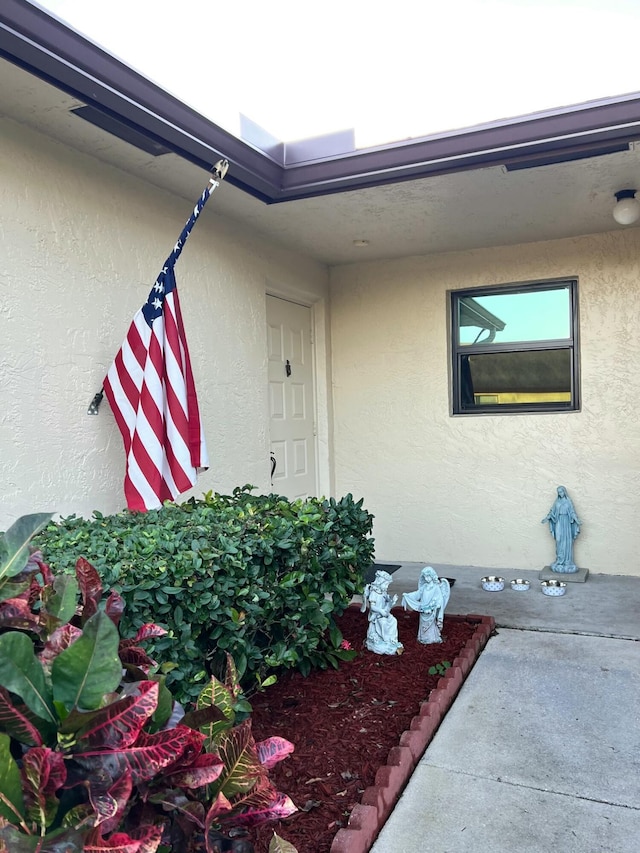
(472, 490)
(82, 245)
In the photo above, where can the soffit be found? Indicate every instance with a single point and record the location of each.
(470, 209)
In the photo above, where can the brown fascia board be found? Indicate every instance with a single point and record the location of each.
(44, 46)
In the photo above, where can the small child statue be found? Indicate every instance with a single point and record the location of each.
(430, 600)
(382, 635)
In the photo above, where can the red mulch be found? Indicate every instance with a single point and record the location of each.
(343, 724)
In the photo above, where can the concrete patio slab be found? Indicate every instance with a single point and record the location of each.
(540, 752)
(547, 711)
(605, 606)
(447, 812)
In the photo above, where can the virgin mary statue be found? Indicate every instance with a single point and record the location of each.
(564, 525)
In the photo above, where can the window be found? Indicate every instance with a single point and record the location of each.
(515, 348)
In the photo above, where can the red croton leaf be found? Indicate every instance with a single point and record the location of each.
(18, 721)
(60, 640)
(192, 750)
(146, 839)
(272, 750)
(204, 769)
(148, 631)
(118, 725)
(43, 774)
(259, 796)
(150, 838)
(37, 564)
(90, 587)
(32, 595)
(114, 607)
(109, 805)
(16, 613)
(134, 656)
(218, 808)
(278, 808)
(145, 758)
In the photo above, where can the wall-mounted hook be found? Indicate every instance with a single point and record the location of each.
(94, 405)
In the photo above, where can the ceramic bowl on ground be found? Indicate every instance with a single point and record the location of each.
(520, 585)
(553, 587)
(492, 583)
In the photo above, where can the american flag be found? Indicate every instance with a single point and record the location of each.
(152, 394)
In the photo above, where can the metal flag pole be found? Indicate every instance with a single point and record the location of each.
(217, 176)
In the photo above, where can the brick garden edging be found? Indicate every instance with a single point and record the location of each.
(369, 816)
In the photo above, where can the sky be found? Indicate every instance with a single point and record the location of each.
(391, 71)
(541, 315)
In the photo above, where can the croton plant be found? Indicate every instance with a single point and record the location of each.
(95, 755)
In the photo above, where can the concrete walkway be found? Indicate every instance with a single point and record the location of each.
(540, 752)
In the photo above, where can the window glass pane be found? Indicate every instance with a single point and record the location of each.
(508, 378)
(539, 315)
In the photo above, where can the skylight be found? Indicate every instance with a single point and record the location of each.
(301, 70)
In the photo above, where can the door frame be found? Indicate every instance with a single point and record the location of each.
(321, 367)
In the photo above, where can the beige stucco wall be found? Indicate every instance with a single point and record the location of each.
(472, 490)
(82, 243)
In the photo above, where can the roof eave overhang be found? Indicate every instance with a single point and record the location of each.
(44, 46)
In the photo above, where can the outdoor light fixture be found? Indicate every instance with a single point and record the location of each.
(627, 209)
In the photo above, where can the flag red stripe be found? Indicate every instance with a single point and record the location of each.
(195, 433)
(135, 501)
(176, 404)
(180, 477)
(152, 474)
(120, 421)
(146, 467)
(136, 343)
(151, 391)
(172, 406)
(155, 470)
(150, 403)
(130, 392)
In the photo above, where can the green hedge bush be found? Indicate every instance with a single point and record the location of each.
(257, 576)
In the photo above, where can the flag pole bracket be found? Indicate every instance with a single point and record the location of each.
(220, 169)
(94, 405)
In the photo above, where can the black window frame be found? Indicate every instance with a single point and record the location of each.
(458, 350)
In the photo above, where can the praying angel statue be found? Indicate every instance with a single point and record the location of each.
(382, 635)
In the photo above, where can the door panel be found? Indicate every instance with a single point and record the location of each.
(291, 398)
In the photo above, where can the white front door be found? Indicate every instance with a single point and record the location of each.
(291, 399)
